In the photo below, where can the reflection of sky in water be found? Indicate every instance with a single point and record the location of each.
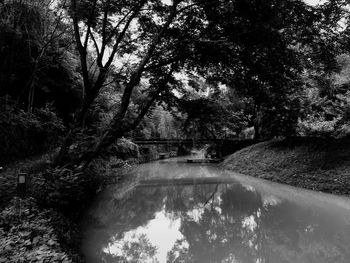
(196, 214)
(270, 200)
(162, 232)
(249, 223)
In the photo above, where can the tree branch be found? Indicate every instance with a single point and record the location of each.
(154, 97)
(162, 63)
(122, 34)
(81, 50)
(114, 30)
(89, 24)
(76, 26)
(136, 75)
(103, 46)
(95, 43)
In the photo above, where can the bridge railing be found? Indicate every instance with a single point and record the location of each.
(183, 141)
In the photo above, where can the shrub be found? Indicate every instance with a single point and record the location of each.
(317, 127)
(23, 134)
(65, 189)
(124, 149)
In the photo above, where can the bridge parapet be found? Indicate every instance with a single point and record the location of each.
(183, 141)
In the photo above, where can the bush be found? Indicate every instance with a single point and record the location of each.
(317, 127)
(23, 134)
(64, 189)
(124, 149)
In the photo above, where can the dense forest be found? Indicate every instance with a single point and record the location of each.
(72, 70)
(78, 76)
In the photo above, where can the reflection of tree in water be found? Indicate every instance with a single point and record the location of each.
(135, 251)
(236, 226)
(217, 234)
(139, 251)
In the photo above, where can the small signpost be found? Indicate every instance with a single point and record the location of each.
(22, 184)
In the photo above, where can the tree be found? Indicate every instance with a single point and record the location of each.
(157, 36)
(325, 82)
(253, 49)
(36, 61)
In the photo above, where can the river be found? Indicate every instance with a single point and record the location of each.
(179, 212)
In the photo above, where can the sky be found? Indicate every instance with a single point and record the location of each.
(314, 2)
(310, 2)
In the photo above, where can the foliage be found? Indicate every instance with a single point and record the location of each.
(214, 116)
(23, 134)
(37, 62)
(161, 122)
(317, 127)
(27, 234)
(123, 149)
(31, 165)
(65, 189)
(326, 101)
(252, 49)
(101, 112)
(69, 190)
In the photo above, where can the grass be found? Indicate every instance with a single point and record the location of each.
(314, 163)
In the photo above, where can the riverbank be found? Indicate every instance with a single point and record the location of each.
(313, 163)
(44, 226)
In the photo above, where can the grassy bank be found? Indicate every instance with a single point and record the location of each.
(312, 163)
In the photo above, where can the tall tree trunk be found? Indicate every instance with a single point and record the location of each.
(31, 88)
(257, 122)
(31, 97)
(257, 134)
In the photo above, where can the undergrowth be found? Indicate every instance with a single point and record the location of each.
(27, 234)
(25, 134)
(44, 227)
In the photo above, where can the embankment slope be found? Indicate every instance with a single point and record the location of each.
(313, 163)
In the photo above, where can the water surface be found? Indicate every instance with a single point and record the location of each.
(182, 212)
